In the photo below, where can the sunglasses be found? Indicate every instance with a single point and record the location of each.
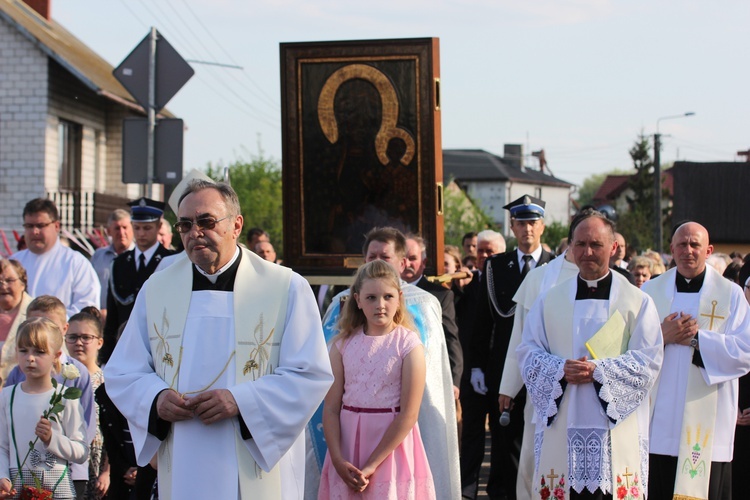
(203, 223)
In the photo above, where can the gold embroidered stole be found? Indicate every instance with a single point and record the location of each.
(260, 298)
(558, 320)
(701, 399)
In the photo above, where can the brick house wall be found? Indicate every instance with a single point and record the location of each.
(23, 122)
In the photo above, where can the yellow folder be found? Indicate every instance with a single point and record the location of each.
(611, 340)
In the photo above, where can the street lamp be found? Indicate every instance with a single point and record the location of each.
(658, 236)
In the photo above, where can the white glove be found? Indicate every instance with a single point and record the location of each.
(477, 381)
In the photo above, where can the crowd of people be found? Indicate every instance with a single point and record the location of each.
(217, 372)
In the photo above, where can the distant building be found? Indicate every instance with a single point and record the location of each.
(492, 182)
(715, 194)
(61, 113)
(616, 192)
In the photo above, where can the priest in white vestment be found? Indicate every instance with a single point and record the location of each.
(706, 325)
(539, 279)
(591, 408)
(222, 363)
(437, 413)
(51, 267)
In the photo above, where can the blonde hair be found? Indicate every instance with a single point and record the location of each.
(658, 267)
(641, 261)
(454, 252)
(352, 318)
(42, 334)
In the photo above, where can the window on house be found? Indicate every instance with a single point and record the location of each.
(538, 192)
(69, 139)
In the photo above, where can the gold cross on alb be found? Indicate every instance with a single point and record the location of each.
(627, 477)
(712, 315)
(552, 476)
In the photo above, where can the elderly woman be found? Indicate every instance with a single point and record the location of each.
(641, 268)
(13, 303)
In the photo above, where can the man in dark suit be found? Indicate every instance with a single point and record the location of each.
(132, 268)
(413, 274)
(489, 344)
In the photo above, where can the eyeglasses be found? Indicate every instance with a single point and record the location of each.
(39, 226)
(9, 281)
(72, 338)
(185, 225)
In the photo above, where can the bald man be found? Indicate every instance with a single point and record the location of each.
(706, 327)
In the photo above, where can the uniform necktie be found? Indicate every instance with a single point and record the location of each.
(526, 265)
(142, 267)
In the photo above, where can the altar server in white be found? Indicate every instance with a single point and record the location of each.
(706, 325)
(222, 363)
(52, 268)
(591, 414)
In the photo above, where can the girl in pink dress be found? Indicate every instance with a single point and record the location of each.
(370, 414)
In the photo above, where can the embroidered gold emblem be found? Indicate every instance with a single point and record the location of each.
(259, 356)
(713, 315)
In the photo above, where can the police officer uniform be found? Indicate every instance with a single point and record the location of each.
(502, 276)
(129, 271)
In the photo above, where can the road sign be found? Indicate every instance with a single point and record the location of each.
(172, 72)
(167, 151)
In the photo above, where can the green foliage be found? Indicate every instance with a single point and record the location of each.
(592, 184)
(461, 216)
(553, 233)
(637, 225)
(589, 188)
(258, 186)
(642, 183)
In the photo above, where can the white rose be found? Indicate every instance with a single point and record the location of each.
(69, 371)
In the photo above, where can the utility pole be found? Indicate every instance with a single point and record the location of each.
(658, 230)
(151, 113)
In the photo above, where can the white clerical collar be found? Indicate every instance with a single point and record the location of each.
(535, 256)
(148, 253)
(213, 277)
(595, 283)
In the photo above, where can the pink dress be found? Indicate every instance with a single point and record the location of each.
(372, 373)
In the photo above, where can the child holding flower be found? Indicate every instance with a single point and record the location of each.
(36, 453)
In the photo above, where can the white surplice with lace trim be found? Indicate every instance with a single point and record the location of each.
(625, 381)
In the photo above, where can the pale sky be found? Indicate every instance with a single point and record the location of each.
(579, 78)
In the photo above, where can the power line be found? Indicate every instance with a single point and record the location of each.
(228, 55)
(132, 13)
(258, 114)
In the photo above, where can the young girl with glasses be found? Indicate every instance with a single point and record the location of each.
(84, 339)
(61, 440)
(370, 413)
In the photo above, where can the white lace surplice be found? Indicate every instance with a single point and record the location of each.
(624, 383)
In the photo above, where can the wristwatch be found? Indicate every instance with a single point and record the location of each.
(694, 342)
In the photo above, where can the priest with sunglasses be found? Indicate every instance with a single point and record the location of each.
(222, 362)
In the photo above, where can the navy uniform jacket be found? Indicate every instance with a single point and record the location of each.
(494, 324)
(124, 284)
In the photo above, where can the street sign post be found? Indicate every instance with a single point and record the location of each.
(153, 73)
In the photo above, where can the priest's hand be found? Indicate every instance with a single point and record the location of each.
(679, 328)
(579, 371)
(213, 406)
(504, 403)
(743, 417)
(171, 407)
